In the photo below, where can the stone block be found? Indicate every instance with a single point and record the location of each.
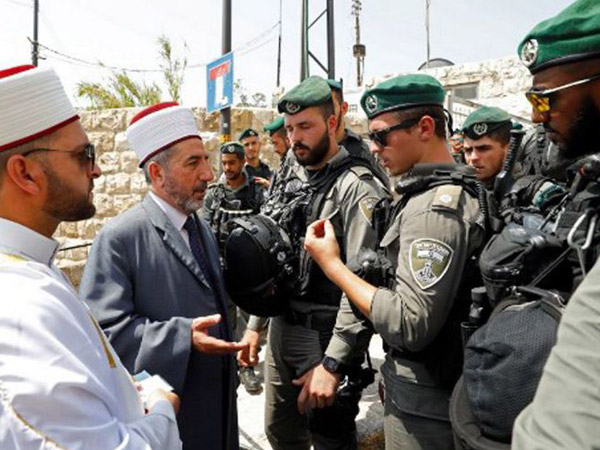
(103, 140)
(104, 205)
(109, 162)
(137, 183)
(121, 143)
(118, 183)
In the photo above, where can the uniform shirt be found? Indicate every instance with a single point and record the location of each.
(429, 240)
(263, 170)
(250, 195)
(565, 411)
(61, 383)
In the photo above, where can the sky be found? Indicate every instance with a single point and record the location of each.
(123, 34)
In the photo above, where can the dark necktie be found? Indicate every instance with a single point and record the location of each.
(196, 246)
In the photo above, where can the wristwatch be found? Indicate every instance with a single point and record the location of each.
(331, 365)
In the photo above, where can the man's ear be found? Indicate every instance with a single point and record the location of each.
(332, 124)
(426, 127)
(157, 173)
(344, 108)
(25, 173)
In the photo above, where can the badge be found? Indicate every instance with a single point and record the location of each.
(529, 52)
(429, 261)
(292, 108)
(480, 129)
(366, 206)
(371, 103)
(230, 149)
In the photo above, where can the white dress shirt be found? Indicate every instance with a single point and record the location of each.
(176, 217)
(61, 383)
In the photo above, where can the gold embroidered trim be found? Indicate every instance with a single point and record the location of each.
(111, 360)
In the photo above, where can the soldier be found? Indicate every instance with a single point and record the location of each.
(434, 231)
(304, 363)
(278, 135)
(352, 142)
(234, 195)
(487, 135)
(563, 55)
(255, 168)
(457, 141)
(235, 191)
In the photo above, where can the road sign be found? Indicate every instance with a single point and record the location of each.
(219, 83)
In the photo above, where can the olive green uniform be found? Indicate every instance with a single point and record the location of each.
(430, 239)
(295, 346)
(565, 412)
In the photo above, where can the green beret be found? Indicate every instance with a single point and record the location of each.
(232, 148)
(484, 120)
(572, 35)
(272, 127)
(404, 91)
(247, 133)
(311, 92)
(335, 85)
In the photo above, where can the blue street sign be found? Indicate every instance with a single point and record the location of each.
(219, 83)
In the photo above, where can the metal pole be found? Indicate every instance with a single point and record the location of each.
(427, 30)
(35, 49)
(304, 72)
(330, 41)
(279, 48)
(225, 116)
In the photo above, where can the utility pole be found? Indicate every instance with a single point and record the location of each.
(279, 47)
(305, 52)
(35, 49)
(225, 114)
(359, 49)
(427, 2)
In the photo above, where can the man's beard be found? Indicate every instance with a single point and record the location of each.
(186, 202)
(583, 136)
(314, 155)
(233, 176)
(62, 203)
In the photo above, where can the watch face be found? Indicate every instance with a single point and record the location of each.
(331, 364)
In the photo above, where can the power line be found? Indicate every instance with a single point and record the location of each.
(17, 2)
(249, 46)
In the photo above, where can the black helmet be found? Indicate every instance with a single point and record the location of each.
(259, 266)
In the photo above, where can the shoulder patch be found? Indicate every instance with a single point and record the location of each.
(447, 197)
(366, 206)
(429, 261)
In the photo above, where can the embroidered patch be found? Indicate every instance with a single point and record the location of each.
(429, 261)
(371, 103)
(366, 206)
(292, 108)
(480, 128)
(529, 52)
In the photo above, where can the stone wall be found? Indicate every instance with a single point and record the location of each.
(122, 183)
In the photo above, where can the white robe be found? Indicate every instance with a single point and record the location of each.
(61, 383)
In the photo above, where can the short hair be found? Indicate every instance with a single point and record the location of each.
(238, 155)
(282, 132)
(338, 94)
(5, 155)
(435, 112)
(162, 158)
(501, 134)
(326, 109)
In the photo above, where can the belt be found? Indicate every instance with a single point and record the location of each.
(312, 321)
(396, 353)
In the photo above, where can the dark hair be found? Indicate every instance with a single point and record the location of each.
(339, 95)
(280, 132)
(5, 155)
(501, 134)
(326, 109)
(435, 112)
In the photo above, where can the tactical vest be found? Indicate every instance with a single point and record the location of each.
(443, 356)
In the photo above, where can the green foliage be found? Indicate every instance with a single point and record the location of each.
(173, 69)
(246, 100)
(120, 90)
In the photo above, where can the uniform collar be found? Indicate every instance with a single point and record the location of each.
(16, 238)
(176, 217)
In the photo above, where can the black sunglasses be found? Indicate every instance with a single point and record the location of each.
(380, 136)
(87, 155)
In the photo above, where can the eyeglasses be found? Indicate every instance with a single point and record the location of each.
(86, 156)
(380, 136)
(541, 100)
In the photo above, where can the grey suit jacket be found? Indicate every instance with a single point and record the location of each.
(145, 287)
